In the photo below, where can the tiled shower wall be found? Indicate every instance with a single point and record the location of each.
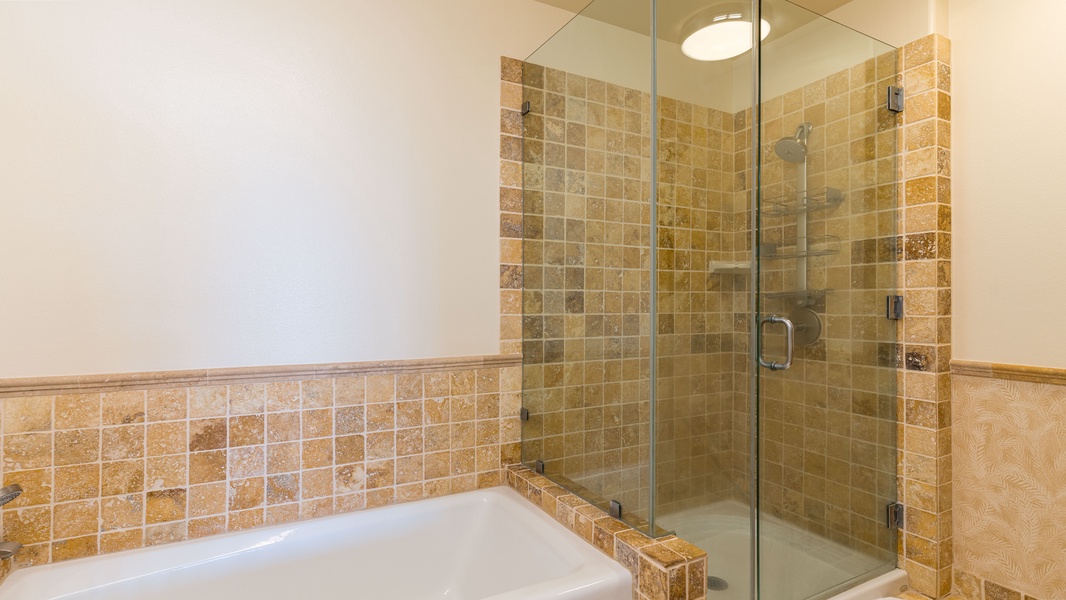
(104, 472)
(696, 215)
(585, 322)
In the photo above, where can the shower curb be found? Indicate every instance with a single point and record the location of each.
(666, 568)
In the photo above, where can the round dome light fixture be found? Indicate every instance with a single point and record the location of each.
(721, 35)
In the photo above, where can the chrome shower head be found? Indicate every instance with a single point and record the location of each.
(791, 150)
(794, 149)
(9, 493)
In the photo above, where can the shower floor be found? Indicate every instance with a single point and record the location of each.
(795, 564)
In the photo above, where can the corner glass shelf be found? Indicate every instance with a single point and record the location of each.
(816, 199)
(818, 245)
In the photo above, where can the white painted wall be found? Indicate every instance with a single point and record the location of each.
(1008, 193)
(898, 22)
(602, 51)
(195, 184)
(809, 53)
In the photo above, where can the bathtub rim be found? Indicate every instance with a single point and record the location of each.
(80, 575)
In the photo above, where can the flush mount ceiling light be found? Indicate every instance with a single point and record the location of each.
(719, 33)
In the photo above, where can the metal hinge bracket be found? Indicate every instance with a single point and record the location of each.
(895, 99)
(616, 509)
(539, 467)
(526, 107)
(894, 307)
(523, 414)
(894, 517)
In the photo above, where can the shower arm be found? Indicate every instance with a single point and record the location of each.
(802, 241)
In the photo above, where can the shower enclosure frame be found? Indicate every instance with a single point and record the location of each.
(755, 322)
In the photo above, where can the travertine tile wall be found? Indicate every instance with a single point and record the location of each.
(104, 472)
(925, 412)
(694, 332)
(585, 321)
(1009, 481)
(586, 234)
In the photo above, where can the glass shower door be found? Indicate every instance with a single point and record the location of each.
(827, 263)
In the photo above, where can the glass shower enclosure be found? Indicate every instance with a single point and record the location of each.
(708, 249)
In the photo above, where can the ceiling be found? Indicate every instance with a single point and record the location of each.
(785, 15)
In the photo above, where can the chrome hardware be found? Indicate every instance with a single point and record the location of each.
(523, 414)
(895, 99)
(790, 343)
(894, 307)
(616, 509)
(9, 549)
(539, 467)
(894, 518)
(526, 107)
(808, 325)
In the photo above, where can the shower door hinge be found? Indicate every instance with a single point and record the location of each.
(523, 414)
(539, 467)
(894, 307)
(895, 98)
(895, 516)
(616, 509)
(526, 107)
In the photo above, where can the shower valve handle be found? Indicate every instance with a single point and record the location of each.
(790, 342)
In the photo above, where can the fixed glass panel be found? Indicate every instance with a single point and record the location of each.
(586, 257)
(702, 464)
(827, 250)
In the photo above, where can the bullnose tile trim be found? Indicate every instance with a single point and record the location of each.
(82, 384)
(1009, 372)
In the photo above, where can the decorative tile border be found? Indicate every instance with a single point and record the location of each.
(115, 382)
(1009, 372)
(667, 568)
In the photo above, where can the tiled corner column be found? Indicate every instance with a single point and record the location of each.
(667, 568)
(510, 206)
(925, 423)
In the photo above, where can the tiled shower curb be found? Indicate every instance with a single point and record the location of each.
(667, 568)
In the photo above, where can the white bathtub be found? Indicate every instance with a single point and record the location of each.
(488, 544)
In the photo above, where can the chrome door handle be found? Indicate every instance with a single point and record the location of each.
(790, 343)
